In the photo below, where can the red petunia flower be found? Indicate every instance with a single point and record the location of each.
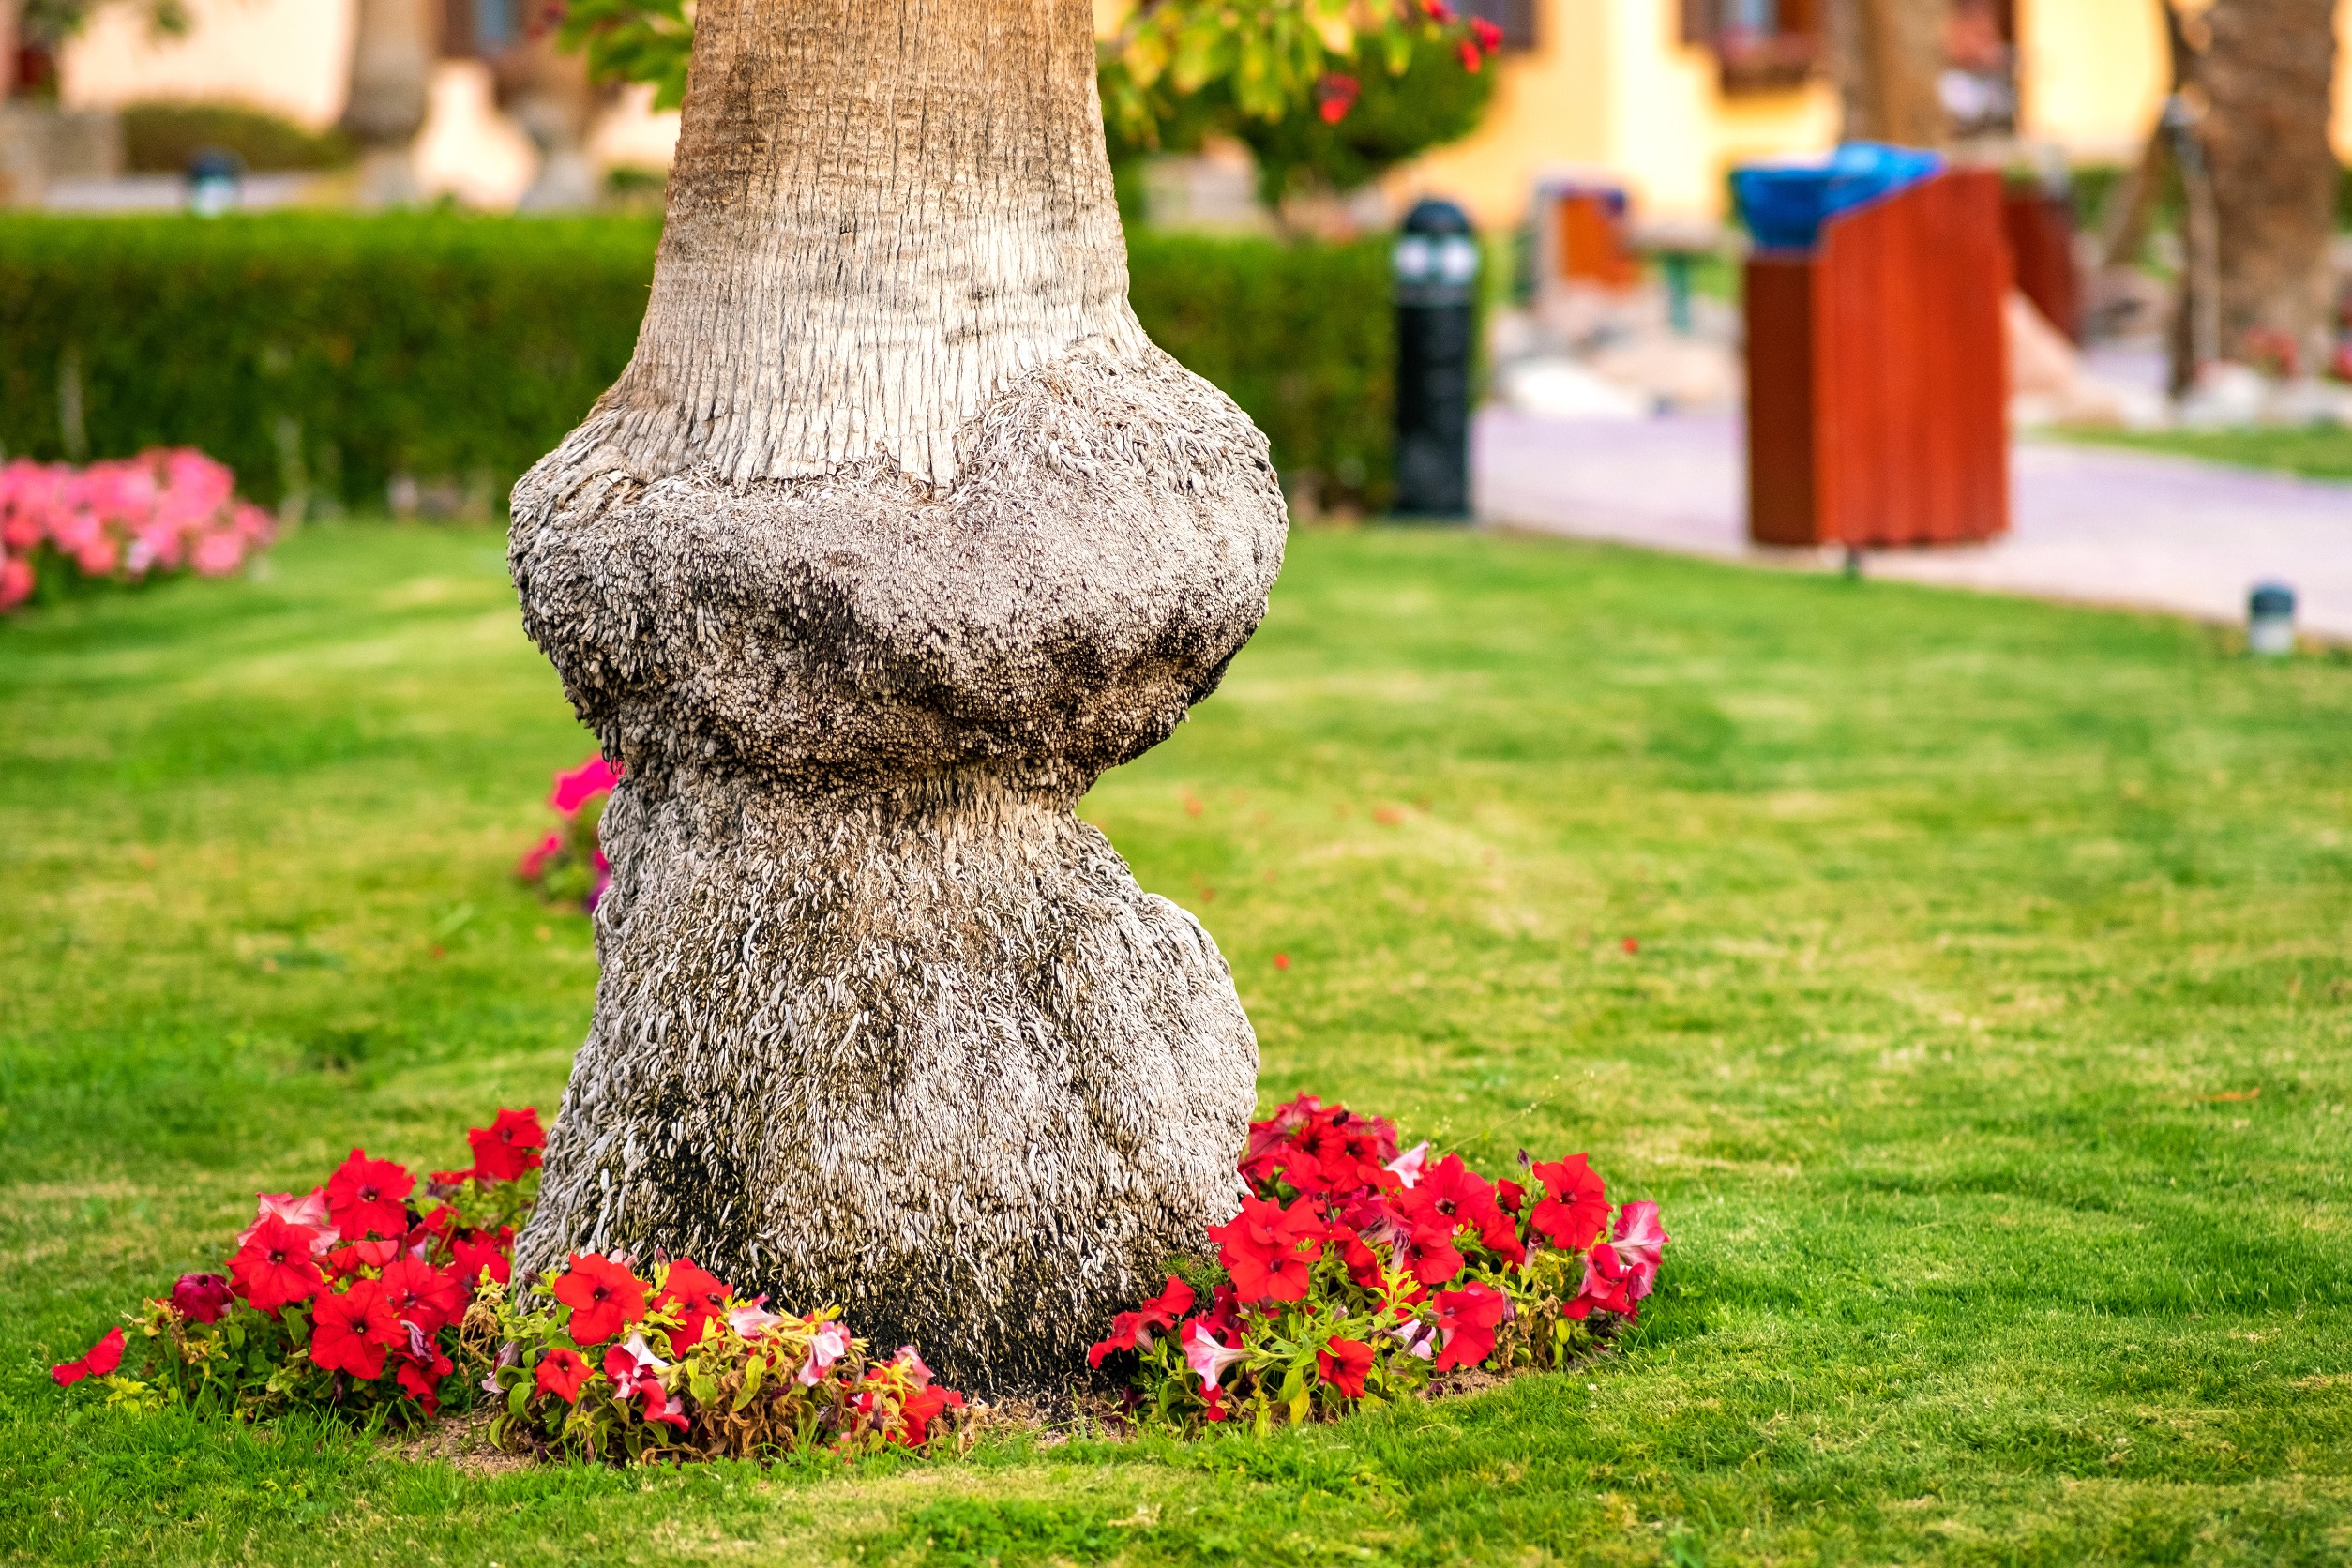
(1576, 1203)
(563, 1373)
(350, 1333)
(919, 1409)
(423, 1295)
(308, 1211)
(603, 1295)
(421, 1368)
(1342, 1363)
(1510, 1196)
(477, 1256)
(200, 1298)
(1640, 1243)
(1132, 1331)
(1363, 1264)
(701, 1297)
(365, 1195)
(1607, 1287)
(99, 1361)
(1452, 1194)
(1467, 1319)
(579, 786)
(373, 1253)
(509, 1146)
(1269, 1250)
(275, 1268)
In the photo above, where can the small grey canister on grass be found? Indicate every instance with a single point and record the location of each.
(2270, 620)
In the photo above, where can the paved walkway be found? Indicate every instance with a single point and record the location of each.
(2089, 524)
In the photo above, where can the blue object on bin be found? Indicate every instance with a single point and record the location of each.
(1786, 204)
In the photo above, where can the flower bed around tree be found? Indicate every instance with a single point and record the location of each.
(163, 512)
(1354, 1275)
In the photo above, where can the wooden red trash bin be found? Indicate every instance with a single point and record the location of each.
(1878, 374)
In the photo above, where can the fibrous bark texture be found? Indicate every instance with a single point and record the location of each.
(896, 533)
(1888, 56)
(2268, 74)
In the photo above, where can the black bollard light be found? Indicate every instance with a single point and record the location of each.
(1436, 261)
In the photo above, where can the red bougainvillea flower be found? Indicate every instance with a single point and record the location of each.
(423, 1295)
(1467, 1319)
(350, 1333)
(509, 1146)
(479, 1254)
(701, 1297)
(603, 1296)
(562, 1373)
(200, 1298)
(575, 789)
(274, 1267)
(1269, 1250)
(1605, 1285)
(1639, 1242)
(830, 1343)
(1576, 1203)
(1206, 1355)
(1132, 1331)
(99, 1361)
(1342, 1363)
(308, 1211)
(365, 1195)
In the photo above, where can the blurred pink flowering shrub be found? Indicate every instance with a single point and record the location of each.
(568, 864)
(166, 510)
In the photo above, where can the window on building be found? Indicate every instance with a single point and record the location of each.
(1515, 17)
(1762, 45)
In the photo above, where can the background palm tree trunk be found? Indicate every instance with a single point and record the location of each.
(2266, 75)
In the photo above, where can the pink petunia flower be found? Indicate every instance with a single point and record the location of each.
(1206, 1355)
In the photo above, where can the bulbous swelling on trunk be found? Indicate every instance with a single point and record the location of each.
(897, 533)
(1108, 548)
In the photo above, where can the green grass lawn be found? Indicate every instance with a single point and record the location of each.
(2314, 451)
(1986, 1044)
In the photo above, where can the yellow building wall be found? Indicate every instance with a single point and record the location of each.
(1611, 89)
(2090, 74)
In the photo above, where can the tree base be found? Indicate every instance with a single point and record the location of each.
(930, 1055)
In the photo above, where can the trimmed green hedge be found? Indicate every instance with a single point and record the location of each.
(345, 354)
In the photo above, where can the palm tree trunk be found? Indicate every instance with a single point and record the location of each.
(391, 73)
(897, 533)
(1888, 56)
(2268, 75)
